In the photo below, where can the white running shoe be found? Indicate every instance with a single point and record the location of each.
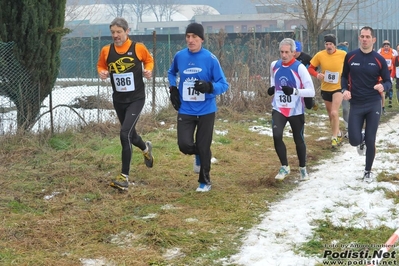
(368, 177)
(283, 172)
(203, 187)
(304, 174)
(361, 149)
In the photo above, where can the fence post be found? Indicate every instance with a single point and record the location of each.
(154, 51)
(51, 113)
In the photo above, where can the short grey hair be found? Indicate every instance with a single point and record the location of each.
(120, 22)
(290, 42)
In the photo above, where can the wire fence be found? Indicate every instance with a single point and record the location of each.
(79, 97)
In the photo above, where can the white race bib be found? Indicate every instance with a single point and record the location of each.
(389, 62)
(191, 95)
(124, 82)
(285, 101)
(331, 77)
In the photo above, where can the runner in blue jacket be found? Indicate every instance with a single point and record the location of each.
(193, 95)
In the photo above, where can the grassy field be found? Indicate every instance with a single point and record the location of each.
(57, 207)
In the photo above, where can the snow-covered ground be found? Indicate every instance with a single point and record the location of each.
(333, 193)
(64, 116)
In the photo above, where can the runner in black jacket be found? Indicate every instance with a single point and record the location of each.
(368, 77)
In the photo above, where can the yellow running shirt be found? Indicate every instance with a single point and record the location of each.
(331, 66)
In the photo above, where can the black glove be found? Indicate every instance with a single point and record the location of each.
(175, 97)
(203, 86)
(270, 91)
(287, 90)
(309, 102)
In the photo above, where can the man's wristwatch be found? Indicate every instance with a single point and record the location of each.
(343, 90)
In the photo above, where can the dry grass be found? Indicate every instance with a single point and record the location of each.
(161, 220)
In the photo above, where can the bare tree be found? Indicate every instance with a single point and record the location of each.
(163, 9)
(139, 8)
(116, 7)
(319, 15)
(202, 11)
(76, 11)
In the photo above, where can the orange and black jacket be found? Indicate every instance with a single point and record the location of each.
(129, 57)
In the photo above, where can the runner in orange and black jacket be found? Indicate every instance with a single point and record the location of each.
(126, 62)
(395, 74)
(388, 53)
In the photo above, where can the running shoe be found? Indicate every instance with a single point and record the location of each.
(339, 137)
(334, 142)
(283, 172)
(304, 174)
(120, 182)
(203, 187)
(361, 149)
(148, 158)
(368, 177)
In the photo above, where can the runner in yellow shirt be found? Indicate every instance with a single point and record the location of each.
(330, 62)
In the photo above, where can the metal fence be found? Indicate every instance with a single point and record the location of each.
(14, 78)
(79, 97)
